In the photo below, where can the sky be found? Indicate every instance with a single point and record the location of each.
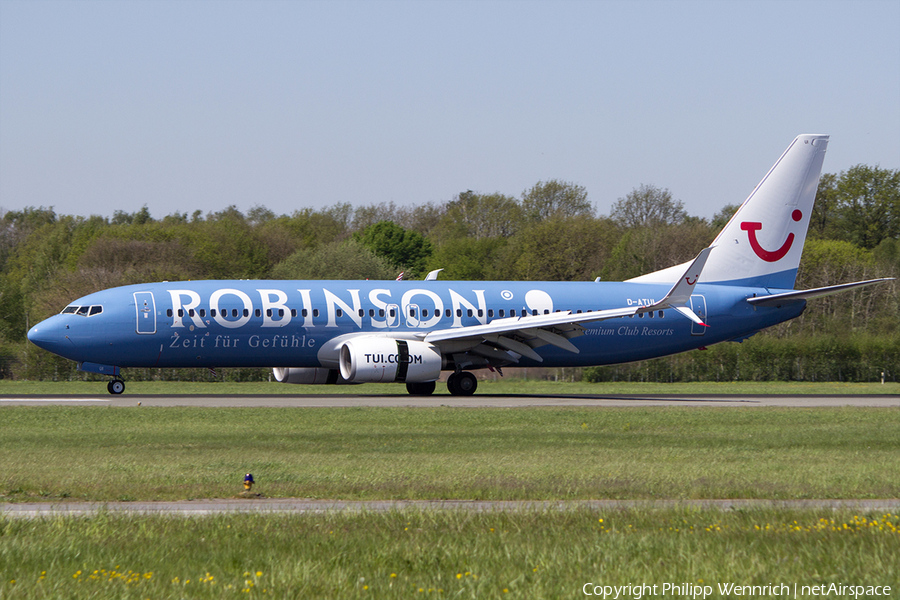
(199, 105)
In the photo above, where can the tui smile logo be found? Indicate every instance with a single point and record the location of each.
(769, 255)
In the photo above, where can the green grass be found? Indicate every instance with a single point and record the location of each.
(440, 554)
(488, 387)
(94, 453)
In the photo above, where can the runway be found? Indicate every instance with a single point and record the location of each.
(200, 508)
(476, 401)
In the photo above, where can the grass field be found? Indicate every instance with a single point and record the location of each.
(93, 453)
(512, 386)
(433, 554)
(141, 453)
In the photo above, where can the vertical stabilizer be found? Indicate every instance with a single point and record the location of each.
(762, 243)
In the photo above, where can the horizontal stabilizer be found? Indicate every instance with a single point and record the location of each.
(779, 299)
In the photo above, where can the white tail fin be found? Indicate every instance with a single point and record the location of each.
(762, 243)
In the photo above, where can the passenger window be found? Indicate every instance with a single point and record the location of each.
(95, 310)
(459, 312)
(190, 312)
(480, 313)
(362, 313)
(293, 312)
(412, 312)
(371, 312)
(393, 312)
(339, 313)
(258, 313)
(212, 312)
(246, 312)
(202, 312)
(304, 313)
(424, 312)
(180, 312)
(380, 312)
(512, 312)
(280, 312)
(268, 312)
(448, 313)
(469, 312)
(315, 312)
(534, 312)
(578, 312)
(546, 311)
(502, 313)
(169, 312)
(234, 312)
(490, 313)
(661, 314)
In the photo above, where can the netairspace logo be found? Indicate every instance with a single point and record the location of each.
(690, 590)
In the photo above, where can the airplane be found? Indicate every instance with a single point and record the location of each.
(344, 332)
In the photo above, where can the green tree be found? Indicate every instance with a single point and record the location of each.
(554, 198)
(648, 206)
(868, 205)
(821, 223)
(479, 216)
(471, 259)
(404, 249)
(336, 260)
(560, 249)
(721, 218)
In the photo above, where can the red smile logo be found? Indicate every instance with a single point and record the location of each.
(769, 255)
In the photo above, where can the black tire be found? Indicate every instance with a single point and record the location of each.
(425, 388)
(452, 384)
(116, 386)
(467, 384)
(462, 384)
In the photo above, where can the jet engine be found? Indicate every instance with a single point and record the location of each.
(308, 375)
(382, 359)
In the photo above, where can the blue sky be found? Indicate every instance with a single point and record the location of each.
(185, 106)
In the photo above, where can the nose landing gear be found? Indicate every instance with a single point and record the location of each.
(116, 386)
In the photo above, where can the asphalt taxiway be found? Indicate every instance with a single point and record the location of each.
(199, 508)
(476, 401)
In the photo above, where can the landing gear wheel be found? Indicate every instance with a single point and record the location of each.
(462, 384)
(425, 388)
(116, 386)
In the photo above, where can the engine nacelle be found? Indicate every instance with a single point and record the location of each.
(382, 359)
(308, 375)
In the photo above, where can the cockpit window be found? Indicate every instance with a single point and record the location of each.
(84, 311)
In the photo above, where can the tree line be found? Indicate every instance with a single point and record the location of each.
(551, 231)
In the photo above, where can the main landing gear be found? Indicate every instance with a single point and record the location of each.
(116, 386)
(425, 388)
(459, 384)
(462, 384)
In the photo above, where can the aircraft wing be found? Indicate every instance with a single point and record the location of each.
(787, 297)
(507, 339)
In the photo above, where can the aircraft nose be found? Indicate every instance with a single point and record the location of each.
(45, 335)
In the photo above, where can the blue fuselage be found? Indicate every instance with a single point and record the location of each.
(294, 323)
